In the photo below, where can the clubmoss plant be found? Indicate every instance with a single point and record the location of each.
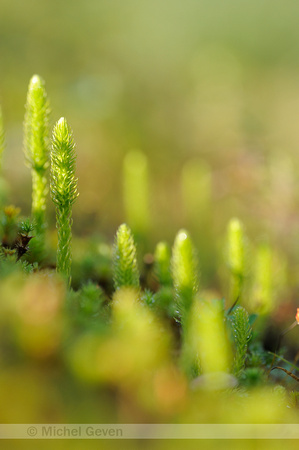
(184, 266)
(63, 187)
(36, 147)
(153, 344)
(125, 269)
(242, 333)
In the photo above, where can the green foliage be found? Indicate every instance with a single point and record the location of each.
(125, 269)
(184, 272)
(86, 307)
(91, 299)
(28, 268)
(36, 147)
(148, 298)
(253, 377)
(63, 187)
(11, 263)
(242, 333)
(26, 226)
(156, 347)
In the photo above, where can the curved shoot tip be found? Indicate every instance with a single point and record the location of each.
(235, 224)
(36, 81)
(61, 130)
(182, 235)
(124, 232)
(123, 227)
(61, 121)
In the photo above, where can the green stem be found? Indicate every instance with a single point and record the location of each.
(39, 193)
(64, 228)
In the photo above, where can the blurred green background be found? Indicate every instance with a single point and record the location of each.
(205, 79)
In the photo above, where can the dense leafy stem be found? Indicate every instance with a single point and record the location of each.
(125, 269)
(185, 272)
(63, 187)
(36, 146)
(242, 334)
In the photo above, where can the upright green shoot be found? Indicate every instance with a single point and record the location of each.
(125, 269)
(242, 332)
(185, 273)
(36, 147)
(63, 187)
